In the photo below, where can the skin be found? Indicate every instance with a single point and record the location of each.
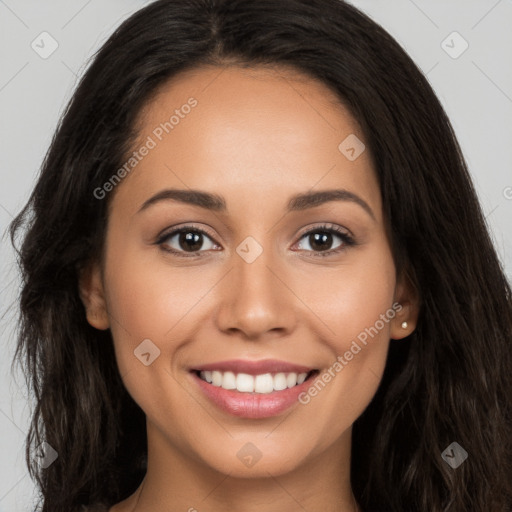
(256, 137)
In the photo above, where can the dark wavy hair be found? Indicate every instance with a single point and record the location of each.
(451, 380)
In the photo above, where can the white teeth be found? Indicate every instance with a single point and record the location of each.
(229, 381)
(216, 378)
(291, 380)
(245, 382)
(280, 381)
(264, 383)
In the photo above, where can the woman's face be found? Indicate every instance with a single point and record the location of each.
(268, 165)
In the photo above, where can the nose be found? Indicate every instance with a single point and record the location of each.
(256, 301)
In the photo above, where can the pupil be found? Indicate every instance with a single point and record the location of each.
(317, 239)
(191, 241)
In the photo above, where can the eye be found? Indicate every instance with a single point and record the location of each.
(325, 240)
(190, 241)
(187, 239)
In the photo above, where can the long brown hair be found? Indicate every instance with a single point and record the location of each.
(451, 380)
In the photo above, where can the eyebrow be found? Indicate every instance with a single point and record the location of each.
(217, 203)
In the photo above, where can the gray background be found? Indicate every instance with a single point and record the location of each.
(475, 88)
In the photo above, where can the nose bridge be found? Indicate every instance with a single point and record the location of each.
(257, 282)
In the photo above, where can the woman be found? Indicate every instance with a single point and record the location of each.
(257, 277)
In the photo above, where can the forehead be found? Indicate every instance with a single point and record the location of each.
(238, 130)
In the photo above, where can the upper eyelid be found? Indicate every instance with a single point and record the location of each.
(168, 232)
(327, 226)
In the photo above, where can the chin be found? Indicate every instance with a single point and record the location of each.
(256, 458)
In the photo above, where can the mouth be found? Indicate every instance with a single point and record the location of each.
(253, 389)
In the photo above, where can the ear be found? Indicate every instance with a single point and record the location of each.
(408, 297)
(90, 284)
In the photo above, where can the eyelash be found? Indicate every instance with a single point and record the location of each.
(347, 240)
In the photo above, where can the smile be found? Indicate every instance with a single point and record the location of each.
(253, 389)
(245, 383)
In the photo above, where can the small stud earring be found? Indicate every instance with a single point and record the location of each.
(404, 325)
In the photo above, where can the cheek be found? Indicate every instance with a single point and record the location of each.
(357, 306)
(147, 292)
(146, 300)
(350, 298)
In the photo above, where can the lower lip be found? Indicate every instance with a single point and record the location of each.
(253, 405)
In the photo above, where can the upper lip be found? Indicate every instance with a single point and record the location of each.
(253, 367)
